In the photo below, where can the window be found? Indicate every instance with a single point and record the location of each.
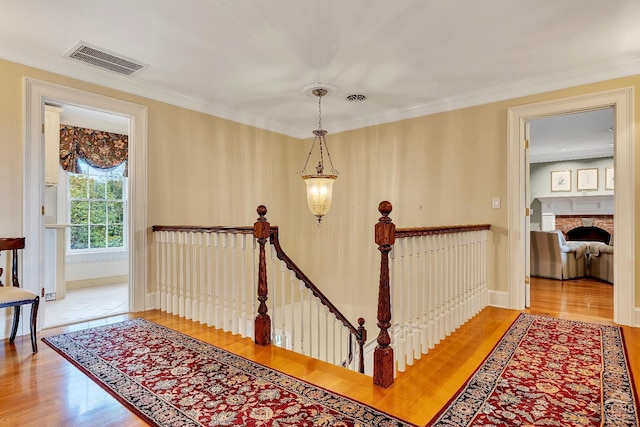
(97, 206)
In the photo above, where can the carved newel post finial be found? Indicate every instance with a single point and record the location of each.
(261, 230)
(383, 368)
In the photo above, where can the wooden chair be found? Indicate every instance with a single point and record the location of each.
(15, 296)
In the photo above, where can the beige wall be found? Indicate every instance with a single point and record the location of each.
(440, 169)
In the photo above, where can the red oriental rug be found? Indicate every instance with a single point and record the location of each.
(549, 372)
(171, 379)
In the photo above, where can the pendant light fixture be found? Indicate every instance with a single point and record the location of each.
(319, 185)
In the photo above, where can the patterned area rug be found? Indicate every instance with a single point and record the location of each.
(171, 379)
(549, 372)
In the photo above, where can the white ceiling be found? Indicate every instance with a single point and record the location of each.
(249, 60)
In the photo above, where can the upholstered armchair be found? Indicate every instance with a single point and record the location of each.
(601, 261)
(554, 258)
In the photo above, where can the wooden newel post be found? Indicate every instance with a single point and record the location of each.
(383, 368)
(261, 231)
(362, 339)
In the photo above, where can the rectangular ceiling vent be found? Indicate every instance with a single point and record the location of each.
(101, 58)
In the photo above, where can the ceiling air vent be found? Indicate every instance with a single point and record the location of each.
(101, 58)
(356, 97)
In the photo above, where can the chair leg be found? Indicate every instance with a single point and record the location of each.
(34, 323)
(14, 325)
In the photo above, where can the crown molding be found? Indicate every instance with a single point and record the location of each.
(569, 155)
(64, 66)
(587, 75)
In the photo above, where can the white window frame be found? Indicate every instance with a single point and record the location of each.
(125, 225)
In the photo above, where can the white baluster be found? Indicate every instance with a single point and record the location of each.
(173, 303)
(424, 285)
(202, 284)
(431, 266)
(398, 326)
(318, 333)
(164, 239)
(456, 280)
(234, 283)
(254, 286)
(302, 292)
(441, 286)
(283, 300)
(196, 296)
(415, 298)
(293, 304)
(211, 292)
(412, 290)
(156, 279)
(217, 304)
(187, 274)
(178, 307)
(242, 330)
(333, 341)
(225, 289)
(272, 301)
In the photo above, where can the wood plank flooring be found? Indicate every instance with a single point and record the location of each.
(46, 390)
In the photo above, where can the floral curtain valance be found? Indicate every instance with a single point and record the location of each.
(103, 150)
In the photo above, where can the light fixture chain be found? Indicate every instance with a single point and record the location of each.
(320, 111)
(333, 169)
(304, 168)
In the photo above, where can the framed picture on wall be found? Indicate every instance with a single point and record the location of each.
(560, 180)
(608, 179)
(588, 179)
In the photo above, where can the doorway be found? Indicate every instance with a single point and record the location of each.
(621, 100)
(86, 203)
(37, 94)
(578, 149)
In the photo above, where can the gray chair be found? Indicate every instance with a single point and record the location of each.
(601, 261)
(554, 258)
(15, 296)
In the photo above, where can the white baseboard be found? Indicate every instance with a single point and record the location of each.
(97, 281)
(499, 299)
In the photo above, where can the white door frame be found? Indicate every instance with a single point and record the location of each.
(624, 261)
(36, 93)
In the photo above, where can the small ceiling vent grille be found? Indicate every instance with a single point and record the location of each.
(356, 97)
(103, 59)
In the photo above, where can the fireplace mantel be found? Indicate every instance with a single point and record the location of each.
(577, 205)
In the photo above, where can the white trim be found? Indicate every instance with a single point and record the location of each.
(636, 324)
(499, 299)
(96, 256)
(36, 92)
(59, 64)
(624, 268)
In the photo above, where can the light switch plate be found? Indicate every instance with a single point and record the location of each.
(495, 203)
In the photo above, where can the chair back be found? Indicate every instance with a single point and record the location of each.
(12, 244)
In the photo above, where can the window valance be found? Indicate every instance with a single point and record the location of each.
(102, 150)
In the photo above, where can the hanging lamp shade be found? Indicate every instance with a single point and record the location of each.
(319, 185)
(319, 193)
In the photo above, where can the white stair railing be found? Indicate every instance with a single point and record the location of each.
(207, 275)
(438, 282)
(210, 275)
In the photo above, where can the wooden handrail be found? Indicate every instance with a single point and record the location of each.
(200, 229)
(385, 235)
(261, 230)
(359, 333)
(447, 229)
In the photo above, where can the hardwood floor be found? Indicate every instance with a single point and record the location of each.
(46, 390)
